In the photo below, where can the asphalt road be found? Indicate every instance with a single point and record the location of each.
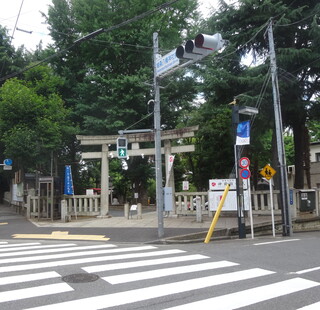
(262, 273)
(12, 224)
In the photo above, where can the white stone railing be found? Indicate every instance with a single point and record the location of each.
(82, 205)
(89, 205)
(186, 202)
(260, 201)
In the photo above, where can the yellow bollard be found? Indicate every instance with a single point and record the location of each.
(216, 216)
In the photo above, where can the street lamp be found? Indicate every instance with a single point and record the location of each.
(236, 110)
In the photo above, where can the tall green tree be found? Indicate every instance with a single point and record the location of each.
(106, 77)
(297, 35)
(33, 119)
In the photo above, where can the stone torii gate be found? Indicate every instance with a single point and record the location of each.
(134, 139)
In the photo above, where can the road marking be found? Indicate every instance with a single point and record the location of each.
(279, 241)
(61, 235)
(306, 270)
(18, 248)
(250, 296)
(37, 291)
(65, 255)
(5, 245)
(48, 249)
(122, 298)
(88, 260)
(4, 223)
(150, 262)
(29, 277)
(315, 306)
(153, 274)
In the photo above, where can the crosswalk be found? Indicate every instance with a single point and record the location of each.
(32, 276)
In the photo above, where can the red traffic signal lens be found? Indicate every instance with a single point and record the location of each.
(199, 40)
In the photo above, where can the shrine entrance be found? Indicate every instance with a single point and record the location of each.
(134, 140)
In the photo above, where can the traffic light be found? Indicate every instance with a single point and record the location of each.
(202, 45)
(122, 146)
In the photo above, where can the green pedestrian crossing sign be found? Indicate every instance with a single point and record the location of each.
(122, 146)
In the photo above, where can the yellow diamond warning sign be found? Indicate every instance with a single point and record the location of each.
(268, 172)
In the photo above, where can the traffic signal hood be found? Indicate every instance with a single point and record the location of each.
(202, 45)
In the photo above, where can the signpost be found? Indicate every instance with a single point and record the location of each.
(166, 62)
(7, 164)
(268, 172)
(245, 173)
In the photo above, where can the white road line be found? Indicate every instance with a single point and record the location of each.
(29, 277)
(250, 296)
(122, 298)
(86, 260)
(307, 270)
(273, 242)
(36, 291)
(153, 274)
(142, 263)
(72, 254)
(17, 249)
(315, 306)
(55, 250)
(4, 247)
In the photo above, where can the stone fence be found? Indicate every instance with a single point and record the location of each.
(89, 205)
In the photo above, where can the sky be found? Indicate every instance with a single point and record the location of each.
(31, 20)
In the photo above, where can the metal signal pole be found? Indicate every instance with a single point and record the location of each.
(284, 188)
(157, 138)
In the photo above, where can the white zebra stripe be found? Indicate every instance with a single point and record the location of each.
(250, 296)
(158, 273)
(123, 298)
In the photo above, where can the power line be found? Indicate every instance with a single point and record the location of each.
(93, 34)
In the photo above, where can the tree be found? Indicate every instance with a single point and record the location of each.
(297, 36)
(33, 120)
(105, 77)
(11, 60)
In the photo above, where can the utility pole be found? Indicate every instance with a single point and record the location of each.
(157, 138)
(284, 188)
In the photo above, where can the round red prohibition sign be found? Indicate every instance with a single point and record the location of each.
(245, 173)
(244, 162)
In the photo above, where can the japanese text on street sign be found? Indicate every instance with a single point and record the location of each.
(166, 62)
(268, 172)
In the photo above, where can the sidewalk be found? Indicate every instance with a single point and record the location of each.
(183, 228)
(150, 220)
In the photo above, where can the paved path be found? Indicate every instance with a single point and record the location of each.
(117, 227)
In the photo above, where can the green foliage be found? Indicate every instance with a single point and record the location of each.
(104, 78)
(33, 120)
(214, 156)
(296, 35)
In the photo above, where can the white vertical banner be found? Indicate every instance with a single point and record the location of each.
(170, 165)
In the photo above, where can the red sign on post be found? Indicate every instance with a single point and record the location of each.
(245, 173)
(244, 162)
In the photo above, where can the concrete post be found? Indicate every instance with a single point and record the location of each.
(104, 199)
(28, 206)
(139, 211)
(126, 211)
(64, 211)
(198, 210)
